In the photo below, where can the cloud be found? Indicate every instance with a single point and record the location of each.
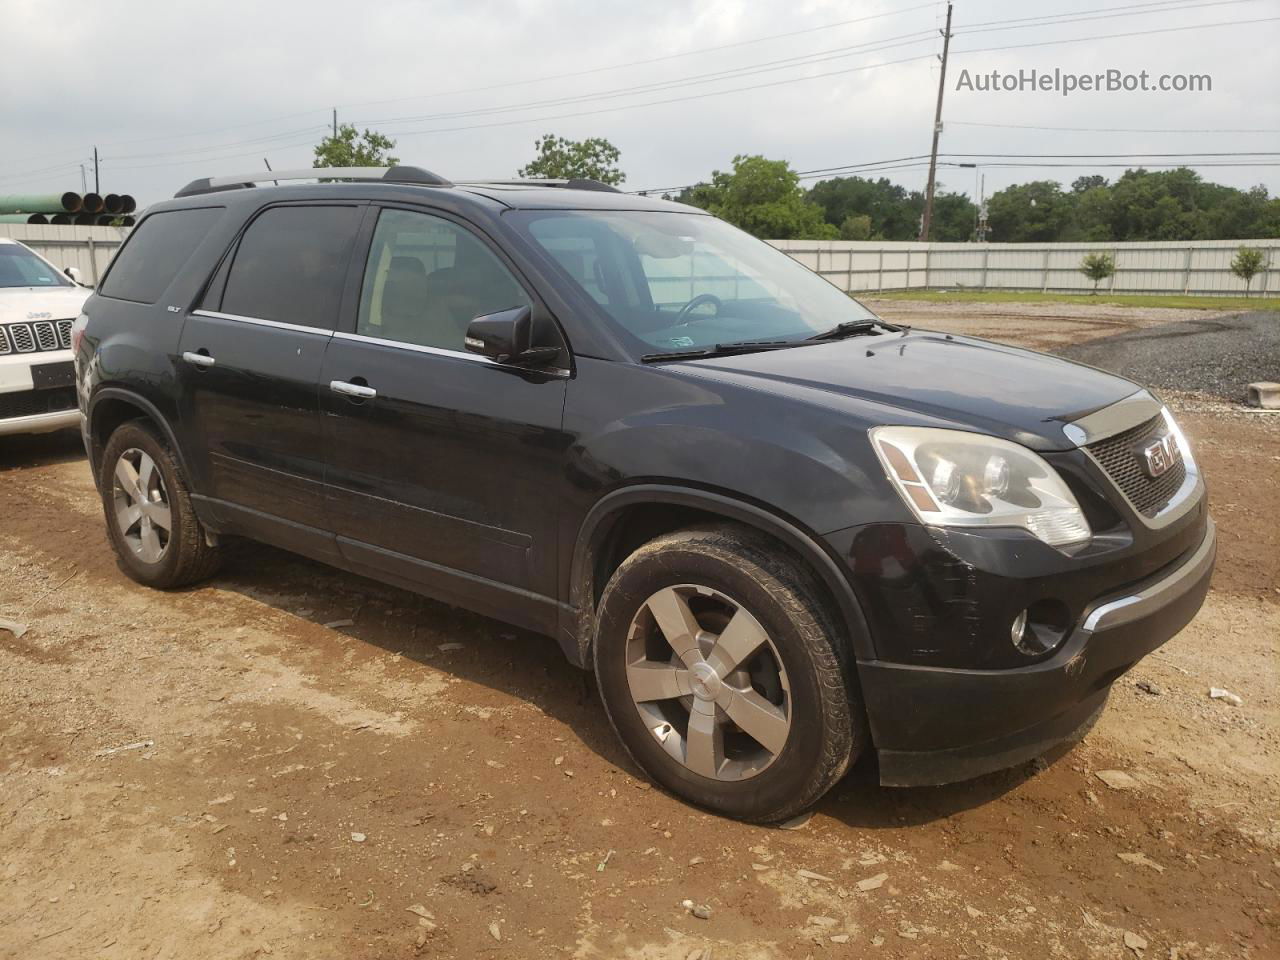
(170, 91)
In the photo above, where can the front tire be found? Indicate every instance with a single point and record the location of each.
(719, 667)
(157, 538)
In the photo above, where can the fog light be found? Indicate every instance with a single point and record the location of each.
(1040, 628)
(1018, 629)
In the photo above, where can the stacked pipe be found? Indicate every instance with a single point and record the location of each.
(87, 209)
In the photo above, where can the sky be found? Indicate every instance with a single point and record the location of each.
(173, 90)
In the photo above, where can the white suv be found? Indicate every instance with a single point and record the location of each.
(38, 306)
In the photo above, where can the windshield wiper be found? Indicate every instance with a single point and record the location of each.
(723, 350)
(852, 328)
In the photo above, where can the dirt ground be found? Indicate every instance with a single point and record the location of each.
(291, 762)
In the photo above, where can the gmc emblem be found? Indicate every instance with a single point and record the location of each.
(1160, 457)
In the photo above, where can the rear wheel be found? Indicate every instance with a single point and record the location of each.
(152, 526)
(719, 669)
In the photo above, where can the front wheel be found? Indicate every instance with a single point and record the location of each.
(718, 666)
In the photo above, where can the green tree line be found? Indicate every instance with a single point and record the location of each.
(764, 197)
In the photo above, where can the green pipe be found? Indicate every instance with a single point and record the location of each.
(91, 203)
(41, 203)
(23, 218)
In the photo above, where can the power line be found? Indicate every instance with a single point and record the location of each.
(869, 46)
(837, 53)
(651, 60)
(531, 80)
(1081, 16)
(1030, 126)
(830, 73)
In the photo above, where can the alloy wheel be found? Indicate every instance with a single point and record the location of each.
(708, 682)
(142, 510)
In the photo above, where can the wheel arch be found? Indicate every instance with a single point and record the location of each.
(112, 406)
(622, 520)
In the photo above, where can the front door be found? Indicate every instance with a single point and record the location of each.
(250, 360)
(443, 468)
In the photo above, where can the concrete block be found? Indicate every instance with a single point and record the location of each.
(1265, 395)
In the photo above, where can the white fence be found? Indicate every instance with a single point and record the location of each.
(1201, 267)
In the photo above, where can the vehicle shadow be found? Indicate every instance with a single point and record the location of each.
(530, 667)
(25, 450)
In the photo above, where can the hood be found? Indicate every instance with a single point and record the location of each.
(972, 384)
(17, 304)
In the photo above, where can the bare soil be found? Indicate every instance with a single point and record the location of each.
(291, 762)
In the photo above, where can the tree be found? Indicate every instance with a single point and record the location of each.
(1097, 267)
(1092, 182)
(894, 212)
(562, 159)
(348, 149)
(1247, 264)
(764, 198)
(1036, 212)
(856, 227)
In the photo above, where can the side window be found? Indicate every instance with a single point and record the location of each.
(291, 264)
(158, 248)
(426, 278)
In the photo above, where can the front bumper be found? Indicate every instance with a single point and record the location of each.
(934, 725)
(40, 423)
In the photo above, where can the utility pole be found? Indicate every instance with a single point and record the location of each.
(84, 184)
(335, 123)
(937, 131)
(95, 171)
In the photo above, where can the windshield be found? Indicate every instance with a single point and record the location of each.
(676, 282)
(19, 267)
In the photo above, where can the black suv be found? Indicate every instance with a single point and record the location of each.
(784, 532)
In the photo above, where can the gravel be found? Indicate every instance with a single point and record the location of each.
(1214, 356)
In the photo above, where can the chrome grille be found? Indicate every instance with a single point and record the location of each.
(39, 337)
(46, 335)
(1121, 457)
(23, 340)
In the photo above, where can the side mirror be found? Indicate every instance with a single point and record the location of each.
(506, 337)
(74, 274)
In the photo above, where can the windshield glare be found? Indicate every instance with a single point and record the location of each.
(19, 267)
(675, 282)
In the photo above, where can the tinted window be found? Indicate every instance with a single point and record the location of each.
(675, 281)
(291, 264)
(19, 267)
(157, 249)
(425, 280)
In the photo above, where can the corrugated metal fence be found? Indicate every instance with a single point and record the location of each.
(1199, 267)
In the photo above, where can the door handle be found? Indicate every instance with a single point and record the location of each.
(357, 390)
(199, 359)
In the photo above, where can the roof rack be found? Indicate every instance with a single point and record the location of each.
(399, 174)
(573, 183)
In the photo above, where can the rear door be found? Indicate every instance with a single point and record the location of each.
(250, 359)
(444, 468)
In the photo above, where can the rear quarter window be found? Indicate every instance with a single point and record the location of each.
(157, 249)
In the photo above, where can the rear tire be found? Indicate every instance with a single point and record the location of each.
(723, 674)
(158, 540)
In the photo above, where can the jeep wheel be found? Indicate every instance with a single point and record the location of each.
(719, 670)
(157, 538)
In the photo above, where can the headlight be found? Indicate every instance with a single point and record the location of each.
(951, 478)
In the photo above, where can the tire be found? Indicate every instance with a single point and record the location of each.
(799, 673)
(148, 553)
